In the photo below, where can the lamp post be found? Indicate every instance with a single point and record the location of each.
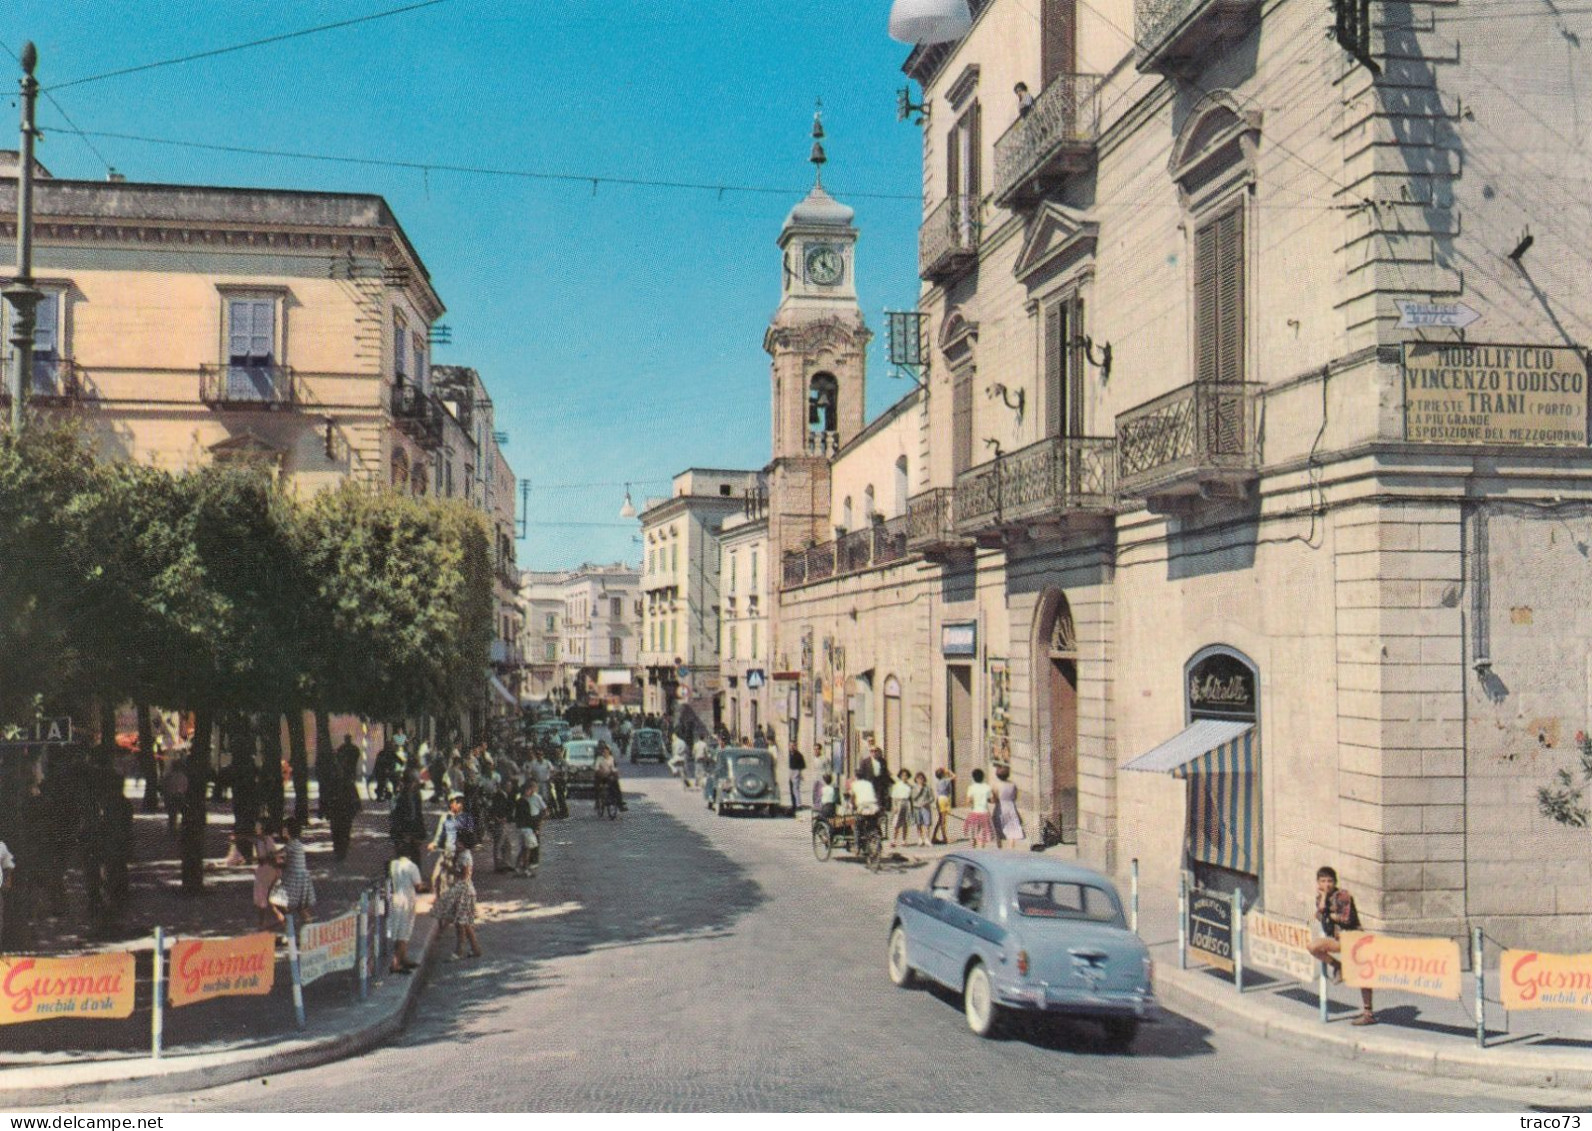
(20, 292)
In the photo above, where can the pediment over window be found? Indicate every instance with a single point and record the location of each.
(1057, 238)
(246, 447)
(1215, 149)
(958, 335)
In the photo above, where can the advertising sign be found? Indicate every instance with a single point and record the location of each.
(959, 639)
(1462, 393)
(326, 947)
(42, 989)
(1221, 686)
(1210, 928)
(1417, 966)
(1435, 315)
(1530, 979)
(1279, 945)
(205, 968)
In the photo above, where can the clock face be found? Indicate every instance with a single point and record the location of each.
(825, 265)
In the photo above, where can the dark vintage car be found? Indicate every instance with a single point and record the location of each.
(580, 762)
(743, 779)
(647, 745)
(1020, 933)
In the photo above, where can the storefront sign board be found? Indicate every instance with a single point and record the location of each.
(1417, 966)
(1466, 393)
(1210, 928)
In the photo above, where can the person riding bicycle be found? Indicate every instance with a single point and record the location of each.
(605, 779)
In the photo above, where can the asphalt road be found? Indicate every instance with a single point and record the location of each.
(677, 961)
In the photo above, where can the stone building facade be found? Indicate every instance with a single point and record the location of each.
(1225, 532)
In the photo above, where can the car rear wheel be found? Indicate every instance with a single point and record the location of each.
(978, 1002)
(1120, 1032)
(823, 842)
(901, 972)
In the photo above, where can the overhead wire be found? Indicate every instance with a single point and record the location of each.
(94, 149)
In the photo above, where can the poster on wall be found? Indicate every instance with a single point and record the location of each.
(43, 989)
(1469, 393)
(1000, 702)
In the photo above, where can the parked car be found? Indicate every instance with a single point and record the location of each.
(1021, 933)
(743, 778)
(580, 764)
(647, 745)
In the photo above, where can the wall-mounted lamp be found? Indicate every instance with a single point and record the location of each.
(905, 107)
(991, 442)
(1103, 362)
(1005, 395)
(329, 432)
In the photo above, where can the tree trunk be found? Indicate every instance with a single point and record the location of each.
(245, 782)
(107, 728)
(323, 757)
(147, 765)
(194, 813)
(271, 768)
(300, 765)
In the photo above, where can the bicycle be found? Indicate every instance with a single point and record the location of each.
(608, 799)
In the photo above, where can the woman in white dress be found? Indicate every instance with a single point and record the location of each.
(404, 875)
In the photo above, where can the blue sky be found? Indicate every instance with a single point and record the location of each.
(620, 330)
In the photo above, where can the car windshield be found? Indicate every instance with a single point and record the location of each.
(581, 753)
(1054, 899)
(649, 740)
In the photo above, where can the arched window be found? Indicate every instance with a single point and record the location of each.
(901, 485)
(823, 398)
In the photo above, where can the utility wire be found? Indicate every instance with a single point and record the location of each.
(481, 170)
(245, 46)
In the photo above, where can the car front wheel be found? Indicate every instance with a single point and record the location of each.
(901, 972)
(978, 1002)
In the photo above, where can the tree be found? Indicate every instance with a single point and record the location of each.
(1565, 800)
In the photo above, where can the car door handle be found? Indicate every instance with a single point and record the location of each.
(1081, 954)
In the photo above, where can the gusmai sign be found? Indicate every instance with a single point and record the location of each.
(205, 968)
(1417, 966)
(1529, 396)
(1530, 979)
(43, 989)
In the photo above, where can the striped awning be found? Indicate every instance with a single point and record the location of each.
(503, 692)
(1195, 744)
(1221, 760)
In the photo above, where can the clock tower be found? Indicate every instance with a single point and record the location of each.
(817, 343)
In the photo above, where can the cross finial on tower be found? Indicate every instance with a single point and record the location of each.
(818, 158)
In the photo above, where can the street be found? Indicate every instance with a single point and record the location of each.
(676, 961)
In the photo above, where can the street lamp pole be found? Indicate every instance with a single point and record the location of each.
(20, 292)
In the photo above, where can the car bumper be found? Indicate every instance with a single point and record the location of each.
(1039, 998)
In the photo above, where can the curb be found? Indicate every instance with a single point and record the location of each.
(266, 1061)
(1221, 1006)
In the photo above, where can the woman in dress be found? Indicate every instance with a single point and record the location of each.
(267, 870)
(457, 906)
(922, 807)
(404, 875)
(979, 799)
(296, 883)
(1008, 823)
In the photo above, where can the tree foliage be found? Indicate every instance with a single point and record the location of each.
(1565, 800)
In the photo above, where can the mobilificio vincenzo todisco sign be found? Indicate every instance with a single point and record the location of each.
(1464, 393)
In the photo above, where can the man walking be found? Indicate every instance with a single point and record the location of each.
(342, 783)
(798, 766)
(529, 811)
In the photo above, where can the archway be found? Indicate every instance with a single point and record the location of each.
(1056, 679)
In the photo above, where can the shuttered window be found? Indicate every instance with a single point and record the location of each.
(251, 331)
(1219, 299)
(1063, 368)
(1057, 33)
(962, 420)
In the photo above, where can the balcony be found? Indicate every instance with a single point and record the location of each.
(1054, 140)
(268, 387)
(929, 528)
(1198, 442)
(505, 654)
(1175, 36)
(56, 381)
(1060, 482)
(417, 414)
(948, 240)
(880, 544)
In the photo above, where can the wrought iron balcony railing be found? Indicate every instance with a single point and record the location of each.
(55, 380)
(1192, 438)
(246, 386)
(1173, 34)
(930, 530)
(1057, 480)
(948, 239)
(1055, 138)
(878, 544)
(418, 414)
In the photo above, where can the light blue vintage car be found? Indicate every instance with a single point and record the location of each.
(1018, 932)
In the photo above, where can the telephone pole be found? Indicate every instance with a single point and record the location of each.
(20, 292)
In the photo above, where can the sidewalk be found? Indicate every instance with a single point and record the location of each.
(54, 1063)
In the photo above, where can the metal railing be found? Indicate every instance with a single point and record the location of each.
(1165, 29)
(1203, 427)
(948, 239)
(929, 520)
(1059, 130)
(1057, 476)
(54, 379)
(419, 414)
(246, 386)
(878, 544)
